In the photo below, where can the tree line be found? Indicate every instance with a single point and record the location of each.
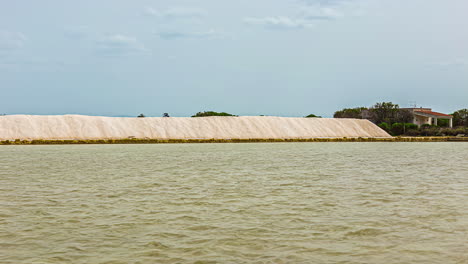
(397, 121)
(388, 116)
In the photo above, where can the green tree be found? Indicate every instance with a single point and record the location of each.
(384, 112)
(460, 118)
(403, 116)
(312, 115)
(351, 113)
(442, 122)
(211, 113)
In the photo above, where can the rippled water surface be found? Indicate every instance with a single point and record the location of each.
(235, 203)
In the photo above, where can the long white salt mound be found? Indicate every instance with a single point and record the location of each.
(78, 127)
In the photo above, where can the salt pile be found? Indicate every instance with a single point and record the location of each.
(78, 127)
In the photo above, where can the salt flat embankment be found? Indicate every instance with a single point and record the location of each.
(78, 127)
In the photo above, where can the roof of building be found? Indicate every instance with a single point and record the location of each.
(417, 108)
(432, 113)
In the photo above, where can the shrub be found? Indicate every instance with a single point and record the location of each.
(350, 113)
(413, 132)
(211, 113)
(448, 131)
(430, 131)
(397, 129)
(426, 126)
(312, 116)
(385, 126)
(409, 126)
(455, 131)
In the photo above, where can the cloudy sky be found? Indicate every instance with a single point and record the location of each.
(247, 57)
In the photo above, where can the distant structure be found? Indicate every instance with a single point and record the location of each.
(166, 115)
(425, 116)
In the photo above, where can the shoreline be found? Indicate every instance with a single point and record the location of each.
(205, 141)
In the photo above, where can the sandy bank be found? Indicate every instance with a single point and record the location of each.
(78, 127)
(252, 140)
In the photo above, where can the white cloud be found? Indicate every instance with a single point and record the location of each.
(325, 2)
(179, 34)
(11, 40)
(320, 13)
(279, 22)
(119, 45)
(309, 13)
(175, 13)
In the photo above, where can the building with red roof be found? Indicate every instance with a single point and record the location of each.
(425, 116)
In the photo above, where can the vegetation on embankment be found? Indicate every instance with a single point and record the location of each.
(390, 113)
(312, 116)
(211, 113)
(253, 140)
(397, 121)
(412, 130)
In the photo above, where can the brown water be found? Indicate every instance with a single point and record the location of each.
(235, 203)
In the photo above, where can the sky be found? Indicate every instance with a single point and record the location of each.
(245, 57)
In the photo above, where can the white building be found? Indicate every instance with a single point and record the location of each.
(423, 116)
